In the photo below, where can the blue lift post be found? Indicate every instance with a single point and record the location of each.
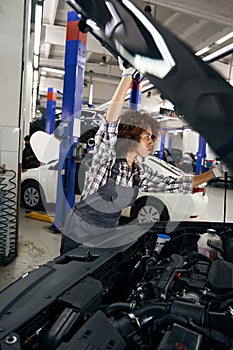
(162, 143)
(69, 131)
(201, 155)
(170, 138)
(51, 110)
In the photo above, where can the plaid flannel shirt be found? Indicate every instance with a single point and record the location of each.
(104, 157)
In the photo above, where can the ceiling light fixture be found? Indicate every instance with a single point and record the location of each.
(52, 70)
(224, 38)
(202, 51)
(36, 53)
(217, 42)
(36, 61)
(219, 53)
(38, 19)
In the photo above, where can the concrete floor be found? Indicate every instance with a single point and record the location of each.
(38, 245)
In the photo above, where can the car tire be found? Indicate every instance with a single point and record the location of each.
(31, 197)
(149, 210)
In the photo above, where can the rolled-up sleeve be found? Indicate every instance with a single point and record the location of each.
(155, 182)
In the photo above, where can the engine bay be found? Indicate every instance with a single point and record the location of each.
(132, 296)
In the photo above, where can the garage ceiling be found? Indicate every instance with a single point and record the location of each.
(199, 23)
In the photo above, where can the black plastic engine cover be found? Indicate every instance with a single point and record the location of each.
(96, 333)
(220, 275)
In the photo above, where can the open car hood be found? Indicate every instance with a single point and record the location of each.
(45, 146)
(197, 91)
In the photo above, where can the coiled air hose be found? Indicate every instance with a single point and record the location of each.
(8, 217)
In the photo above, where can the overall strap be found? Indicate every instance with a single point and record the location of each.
(115, 171)
(115, 168)
(136, 178)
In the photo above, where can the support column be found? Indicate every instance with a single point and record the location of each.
(201, 155)
(75, 55)
(51, 110)
(163, 137)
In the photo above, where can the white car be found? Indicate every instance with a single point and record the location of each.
(39, 187)
(153, 207)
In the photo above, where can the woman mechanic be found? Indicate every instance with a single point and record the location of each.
(116, 174)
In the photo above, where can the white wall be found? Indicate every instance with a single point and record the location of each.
(11, 41)
(26, 108)
(11, 58)
(190, 141)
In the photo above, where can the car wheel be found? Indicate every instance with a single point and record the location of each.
(150, 210)
(31, 196)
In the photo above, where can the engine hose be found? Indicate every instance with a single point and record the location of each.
(161, 323)
(198, 257)
(200, 316)
(8, 218)
(152, 310)
(194, 311)
(116, 307)
(211, 245)
(149, 308)
(140, 317)
(219, 297)
(190, 315)
(225, 304)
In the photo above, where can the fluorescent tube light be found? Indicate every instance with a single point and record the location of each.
(35, 61)
(204, 50)
(224, 38)
(219, 52)
(52, 70)
(38, 19)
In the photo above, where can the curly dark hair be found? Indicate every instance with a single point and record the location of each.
(131, 126)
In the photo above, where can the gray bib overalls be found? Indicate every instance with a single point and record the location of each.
(100, 212)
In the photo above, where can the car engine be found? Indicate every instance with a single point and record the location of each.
(121, 292)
